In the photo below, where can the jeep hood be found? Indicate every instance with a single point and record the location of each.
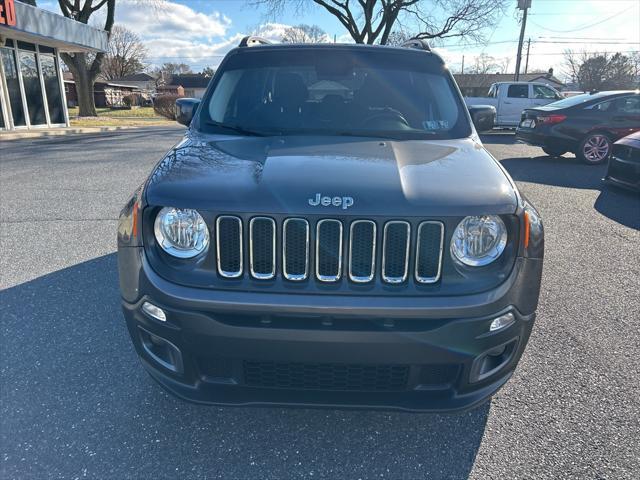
(280, 175)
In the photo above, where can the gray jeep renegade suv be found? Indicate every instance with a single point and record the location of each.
(330, 232)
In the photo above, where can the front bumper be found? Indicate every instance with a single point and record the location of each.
(247, 348)
(623, 173)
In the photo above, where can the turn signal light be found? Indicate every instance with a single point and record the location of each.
(502, 322)
(551, 119)
(154, 311)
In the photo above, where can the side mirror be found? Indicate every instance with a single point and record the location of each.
(186, 109)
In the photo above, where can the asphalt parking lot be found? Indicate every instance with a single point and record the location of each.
(76, 403)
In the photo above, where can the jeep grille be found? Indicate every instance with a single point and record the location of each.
(362, 250)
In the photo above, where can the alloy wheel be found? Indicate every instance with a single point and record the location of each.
(596, 148)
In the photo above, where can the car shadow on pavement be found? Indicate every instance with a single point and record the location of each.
(619, 205)
(498, 137)
(75, 401)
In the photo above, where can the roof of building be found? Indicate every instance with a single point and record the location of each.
(137, 77)
(486, 79)
(191, 80)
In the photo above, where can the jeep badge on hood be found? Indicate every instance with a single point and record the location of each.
(344, 202)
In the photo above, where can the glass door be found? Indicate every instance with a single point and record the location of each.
(52, 88)
(13, 86)
(32, 87)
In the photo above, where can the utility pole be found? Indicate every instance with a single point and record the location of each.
(522, 5)
(526, 64)
(462, 64)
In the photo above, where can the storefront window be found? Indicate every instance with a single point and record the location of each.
(13, 86)
(32, 88)
(52, 87)
(2, 125)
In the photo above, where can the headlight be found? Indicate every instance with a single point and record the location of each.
(479, 240)
(181, 233)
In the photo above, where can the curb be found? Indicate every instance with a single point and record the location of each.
(13, 135)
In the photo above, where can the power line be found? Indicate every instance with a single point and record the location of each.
(583, 27)
(577, 42)
(581, 42)
(602, 52)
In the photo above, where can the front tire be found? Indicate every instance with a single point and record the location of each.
(594, 149)
(554, 151)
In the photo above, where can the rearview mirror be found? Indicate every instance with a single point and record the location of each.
(186, 109)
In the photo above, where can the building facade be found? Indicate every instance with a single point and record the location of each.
(32, 93)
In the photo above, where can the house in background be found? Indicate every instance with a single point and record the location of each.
(194, 84)
(477, 84)
(146, 84)
(170, 90)
(105, 93)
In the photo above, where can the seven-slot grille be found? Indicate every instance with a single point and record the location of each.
(305, 249)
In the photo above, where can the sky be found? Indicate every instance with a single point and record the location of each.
(200, 32)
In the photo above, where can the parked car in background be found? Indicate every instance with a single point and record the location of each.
(511, 98)
(483, 116)
(586, 124)
(624, 164)
(571, 93)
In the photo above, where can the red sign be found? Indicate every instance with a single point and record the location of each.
(7, 13)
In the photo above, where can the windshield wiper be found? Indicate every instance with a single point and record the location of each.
(236, 129)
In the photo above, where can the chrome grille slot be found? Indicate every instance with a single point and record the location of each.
(395, 254)
(229, 246)
(328, 250)
(362, 251)
(429, 248)
(262, 248)
(295, 249)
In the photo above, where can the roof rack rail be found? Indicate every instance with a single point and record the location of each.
(417, 43)
(251, 41)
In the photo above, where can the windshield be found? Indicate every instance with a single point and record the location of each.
(335, 91)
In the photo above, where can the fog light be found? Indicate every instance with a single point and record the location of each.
(501, 322)
(155, 312)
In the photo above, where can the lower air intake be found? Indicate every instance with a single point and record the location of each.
(326, 376)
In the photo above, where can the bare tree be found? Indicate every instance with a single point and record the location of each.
(304, 34)
(600, 71)
(84, 66)
(634, 58)
(399, 37)
(126, 54)
(485, 64)
(504, 63)
(208, 71)
(373, 21)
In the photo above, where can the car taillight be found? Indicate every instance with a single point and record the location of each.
(551, 119)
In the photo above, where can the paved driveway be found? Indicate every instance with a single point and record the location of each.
(76, 403)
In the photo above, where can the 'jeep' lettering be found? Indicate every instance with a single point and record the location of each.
(7, 13)
(326, 201)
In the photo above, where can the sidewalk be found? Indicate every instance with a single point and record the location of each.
(52, 132)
